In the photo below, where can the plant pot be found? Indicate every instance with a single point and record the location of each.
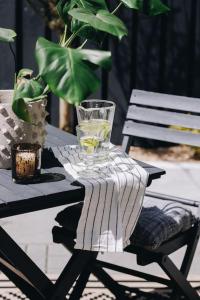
(14, 130)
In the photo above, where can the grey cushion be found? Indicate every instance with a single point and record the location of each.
(159, 221)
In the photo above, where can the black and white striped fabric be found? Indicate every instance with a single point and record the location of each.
(113, 200)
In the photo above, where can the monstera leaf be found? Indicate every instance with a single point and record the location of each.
(92, 5)
(96, 57)
(88, 32)
(26, 90)
(29, 89)
(136, 4)
(102, 20)
(67, 71)
(156, 7)
(63, 6)
(7, 35)
(20, 109)
(24, 73)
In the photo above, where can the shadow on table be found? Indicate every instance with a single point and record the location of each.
(49, 160)
(50, 177)
(46, 177)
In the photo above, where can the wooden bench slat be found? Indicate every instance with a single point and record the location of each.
(163, 117)
(157, 133)
(165, 101)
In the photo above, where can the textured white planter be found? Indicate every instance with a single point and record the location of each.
(13, 130)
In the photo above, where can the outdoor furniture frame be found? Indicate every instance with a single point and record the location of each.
(16, 199)
(150, 115)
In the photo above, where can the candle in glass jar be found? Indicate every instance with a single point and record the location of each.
(25, 161)
(25, 164)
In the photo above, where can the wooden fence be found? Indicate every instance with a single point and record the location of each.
(161, 54)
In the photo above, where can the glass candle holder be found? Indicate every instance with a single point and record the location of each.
(26, 162)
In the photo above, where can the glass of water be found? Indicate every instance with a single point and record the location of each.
(96, 117)
(90, 143)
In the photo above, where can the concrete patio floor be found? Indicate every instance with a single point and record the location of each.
(33, 231)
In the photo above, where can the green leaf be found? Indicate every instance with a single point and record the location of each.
(26, 90)
(102, 20)
(24, 72)
(19, 108)
(87, 32)
(63, 6)
(67, 71)
(92, 5)
(7, 35)
(156, 7)
(136, 4)
(99, 58)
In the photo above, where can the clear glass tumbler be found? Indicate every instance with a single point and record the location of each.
(90, 144)
(96, 117)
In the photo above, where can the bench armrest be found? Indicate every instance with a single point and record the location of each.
(173, 198)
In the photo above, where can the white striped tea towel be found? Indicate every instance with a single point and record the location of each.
(113, 199)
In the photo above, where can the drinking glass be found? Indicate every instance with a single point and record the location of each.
(90, 143)
(96, 117)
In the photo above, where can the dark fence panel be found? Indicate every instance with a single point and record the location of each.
(161, 53)
(7, 64)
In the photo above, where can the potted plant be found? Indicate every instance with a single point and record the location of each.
(30, 128)
(67, 71)
(70, 72)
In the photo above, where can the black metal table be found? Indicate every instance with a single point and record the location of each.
(55, 188)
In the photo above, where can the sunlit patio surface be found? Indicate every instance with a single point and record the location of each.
(96, 291)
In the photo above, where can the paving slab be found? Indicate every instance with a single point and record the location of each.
(39, 254)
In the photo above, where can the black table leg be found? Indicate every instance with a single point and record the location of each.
(82, 281)
(74, 268)
(25, 274)
(22, 271)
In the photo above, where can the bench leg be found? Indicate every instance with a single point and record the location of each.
(178, 278)
(188, 257)
(80, 284)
